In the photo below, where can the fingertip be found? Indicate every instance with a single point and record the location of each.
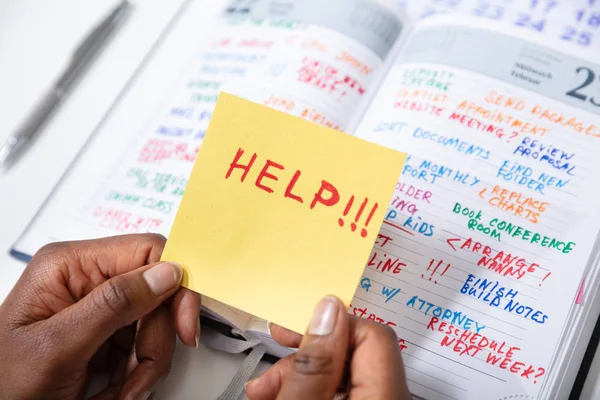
(267, 385)
(260, 388)
(154, 349)
(319, 364)
(163, 277)
(384, 374)
(284, 336)
(328, 316)
(251, 388)
(186, 308)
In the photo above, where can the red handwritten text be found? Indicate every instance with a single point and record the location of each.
(385, 263)
(500, 354)
(156, 150)
(433, 267)
(328, 77)
(364, 313)
(326, 195)
(122, 221)
(500, 262)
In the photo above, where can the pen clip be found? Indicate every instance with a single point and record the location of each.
(101, 30)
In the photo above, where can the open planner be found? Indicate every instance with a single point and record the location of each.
(486, 262)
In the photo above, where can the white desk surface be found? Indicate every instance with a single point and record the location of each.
(36, 40)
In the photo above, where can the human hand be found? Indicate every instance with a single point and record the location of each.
(317, 370)
(96, 305)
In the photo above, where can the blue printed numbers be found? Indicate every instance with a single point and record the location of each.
(527, 21)
(545, 6)
(582, 38)
(578, 33)
(488, 10)
(591, 19)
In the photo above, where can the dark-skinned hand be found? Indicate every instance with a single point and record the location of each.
(338, 351)
(97, 305)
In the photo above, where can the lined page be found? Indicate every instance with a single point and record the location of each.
(574, 23)
(299, 57)
(316, 65)
(486, 240)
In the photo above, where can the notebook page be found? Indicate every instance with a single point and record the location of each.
(575, 23)
(331, 73)
(481, 255)
(312, 60)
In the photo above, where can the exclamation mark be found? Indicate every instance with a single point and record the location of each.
(447, 268)
(346, 210)
(547, 275)
(358, 214)
(364, 232)
(430, 264)
(434, 270)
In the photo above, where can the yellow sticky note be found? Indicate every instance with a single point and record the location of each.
(279, 212)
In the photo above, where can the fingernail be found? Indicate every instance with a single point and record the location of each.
(146, 395)
(269, 328)
(324, 317)
(163, 277)
(197, 333)
(249, 383)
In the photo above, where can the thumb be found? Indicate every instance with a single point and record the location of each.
(116, 303)
(318, 366)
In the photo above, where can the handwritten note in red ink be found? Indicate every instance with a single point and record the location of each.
(279, 212)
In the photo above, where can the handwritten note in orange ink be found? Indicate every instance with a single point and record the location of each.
(279, 212)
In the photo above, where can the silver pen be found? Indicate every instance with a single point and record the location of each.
(17, 142)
